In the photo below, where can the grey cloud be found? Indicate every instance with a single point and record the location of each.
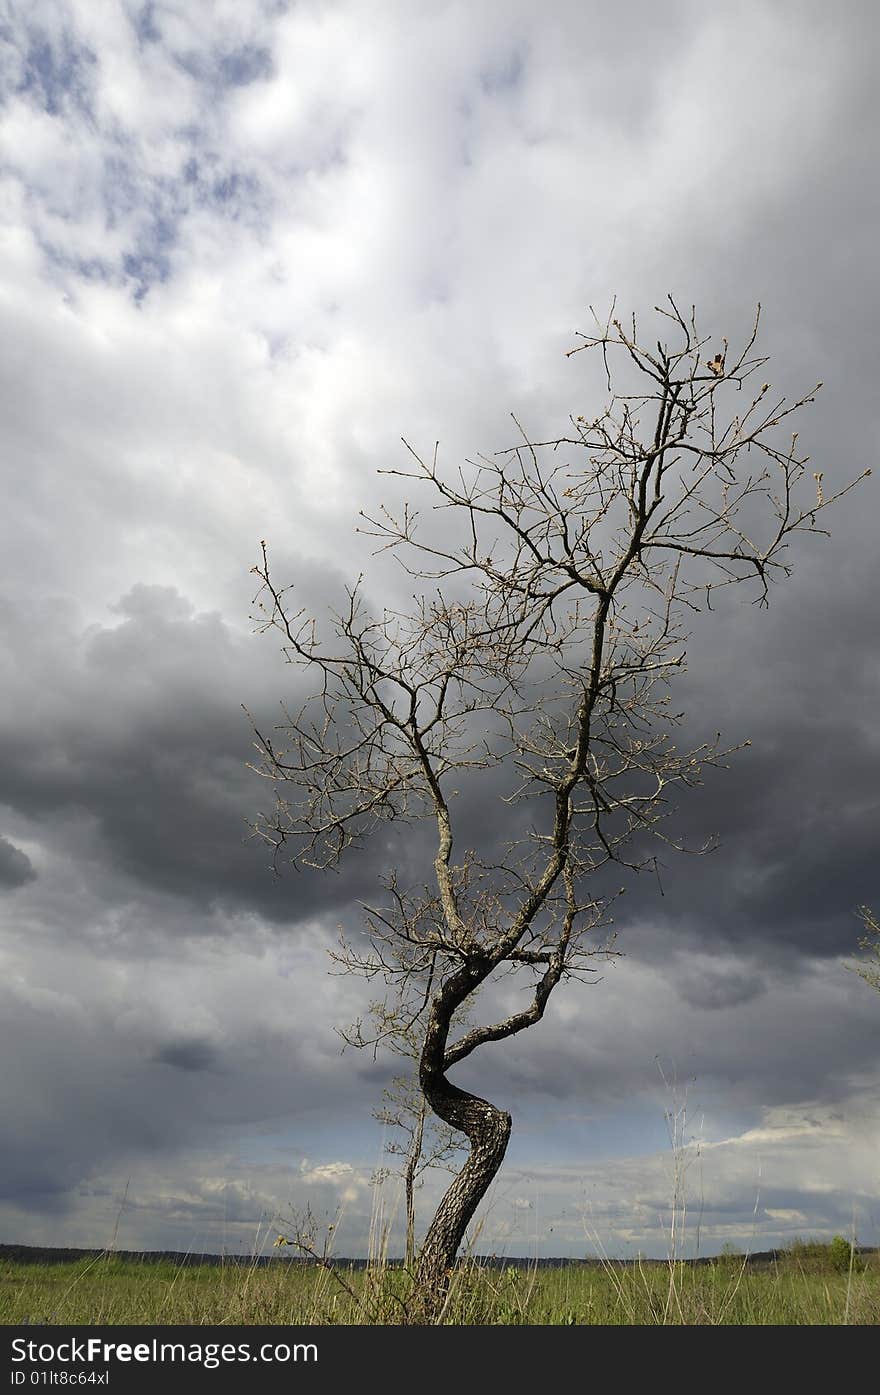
(146, 735)
(95, 1080)
(146, 602)
(240, 67)
(145, 25)
(16, 868)
(796, 814)
(235, 67)
(192, 1053)
(720, 990)
(795, 1032)
(140, 726)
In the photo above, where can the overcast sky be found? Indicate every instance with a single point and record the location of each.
(247, 246)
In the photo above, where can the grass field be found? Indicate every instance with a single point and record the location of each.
(802, 1286)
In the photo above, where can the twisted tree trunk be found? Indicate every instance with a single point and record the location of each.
(486, 1127)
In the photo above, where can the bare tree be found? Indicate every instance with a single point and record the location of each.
(421, 1140)
(547, 626)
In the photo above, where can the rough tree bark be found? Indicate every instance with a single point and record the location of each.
(487, 1129)
(427, 1141)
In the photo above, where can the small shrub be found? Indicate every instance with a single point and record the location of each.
(841, 1254)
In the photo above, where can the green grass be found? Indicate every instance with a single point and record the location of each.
(803, 1287)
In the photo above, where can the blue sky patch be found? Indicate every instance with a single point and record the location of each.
(236, 68)
(149, 261)
(144, 24)
(499, 78)
(58, 75)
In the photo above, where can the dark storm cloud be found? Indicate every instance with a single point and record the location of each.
(16, 868)
(713, 988)
(189, 1054)
(140, 727)
(100, 1068)
(796, 815)
(782, 1034)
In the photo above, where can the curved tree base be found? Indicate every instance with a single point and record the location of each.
(488, 1129)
